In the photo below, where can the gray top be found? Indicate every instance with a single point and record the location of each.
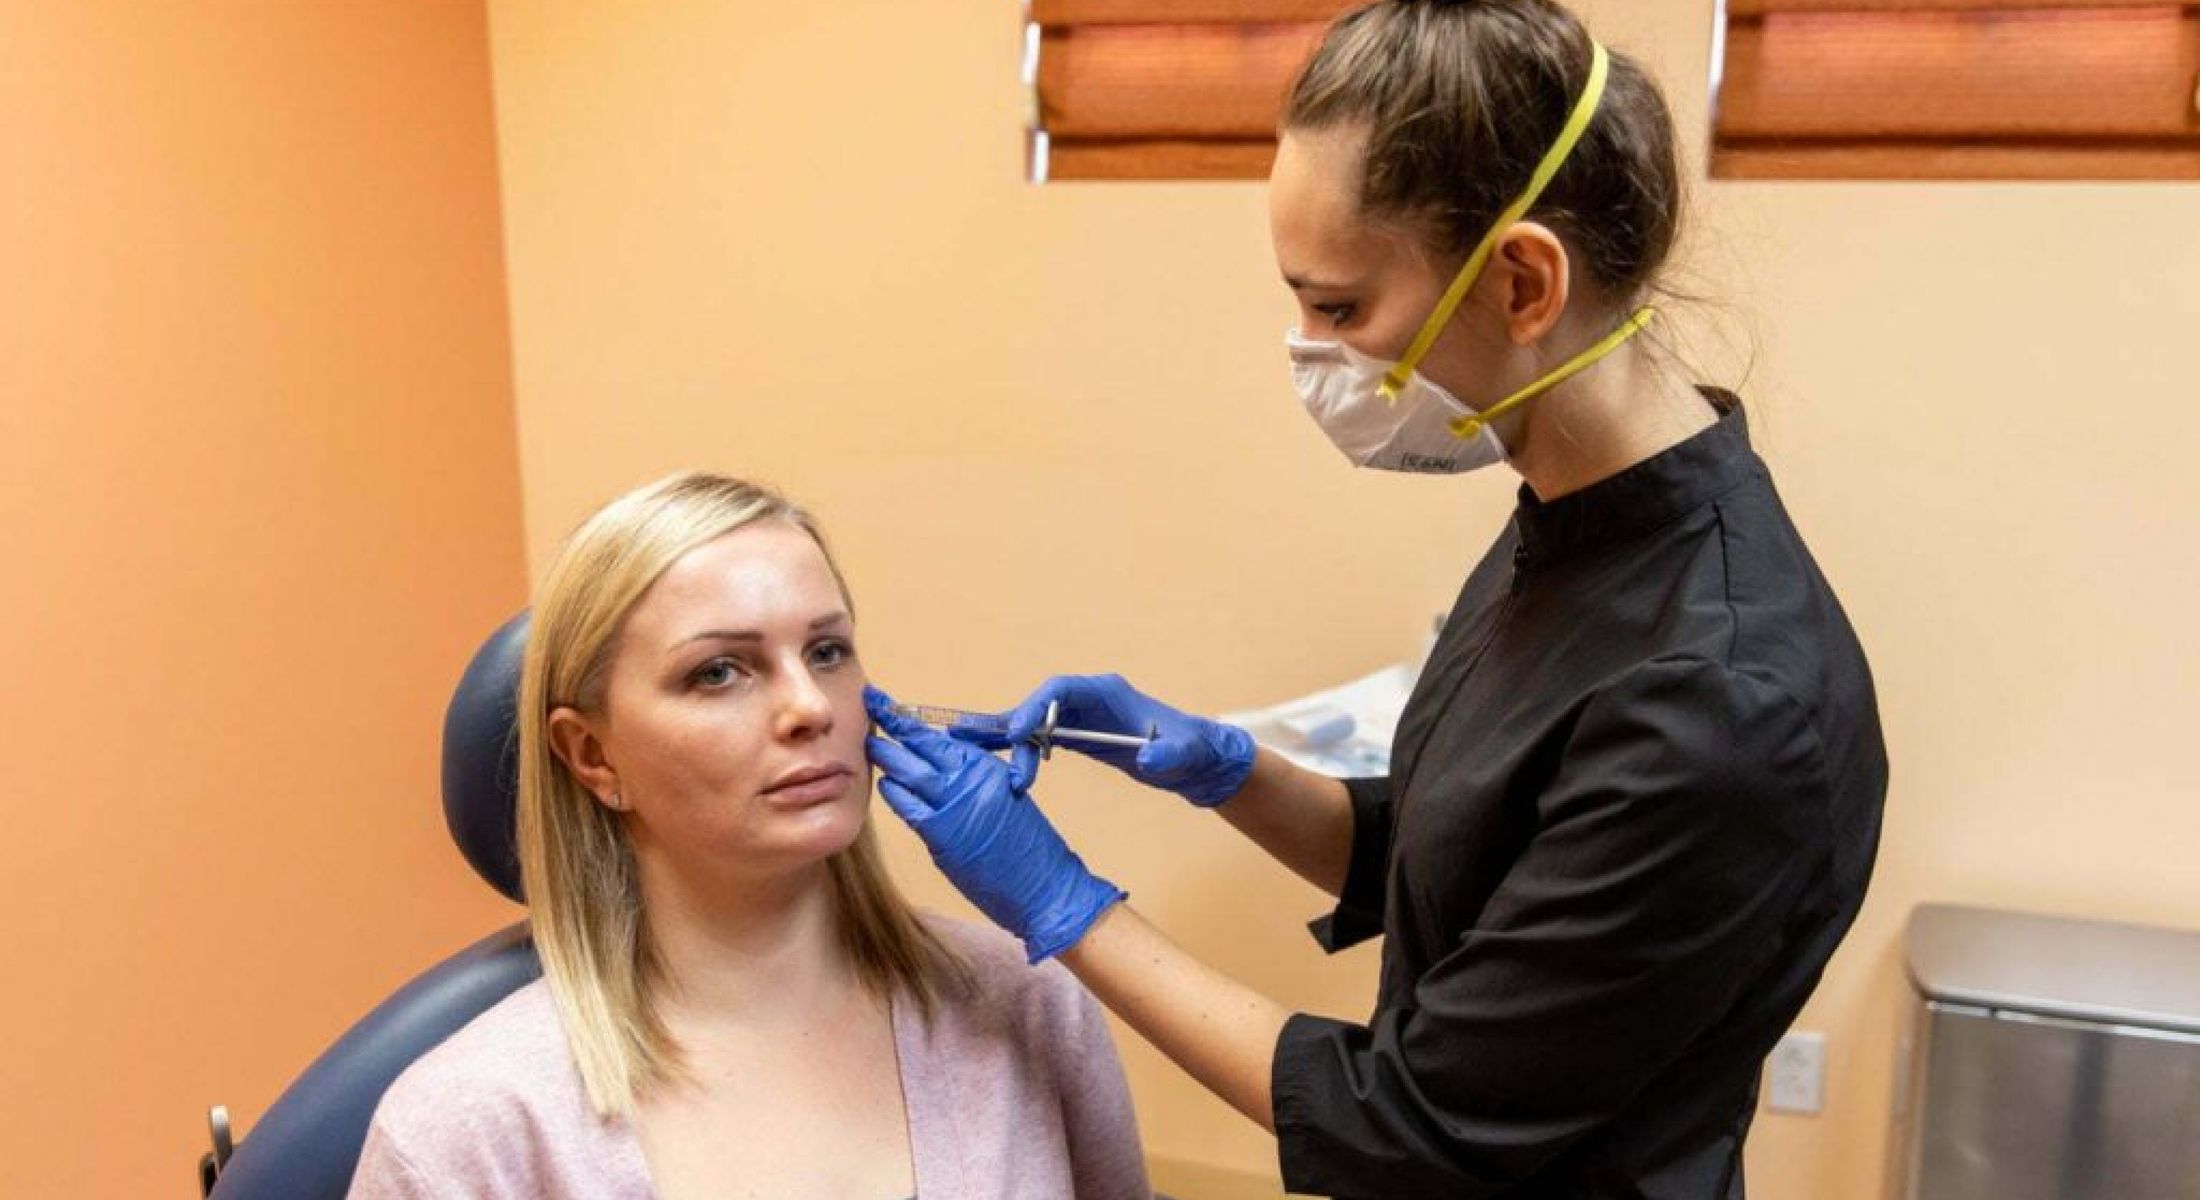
(2097, 971)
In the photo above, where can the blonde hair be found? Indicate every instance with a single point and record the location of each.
(576, 863)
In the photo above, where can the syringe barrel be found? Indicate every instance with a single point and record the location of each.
(954, 718)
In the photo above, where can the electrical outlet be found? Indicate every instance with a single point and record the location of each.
(1795, 1075)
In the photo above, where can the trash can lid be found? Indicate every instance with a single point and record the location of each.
(2100, 971)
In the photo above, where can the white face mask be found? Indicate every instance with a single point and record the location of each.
(1409, 431)
(1390, 416)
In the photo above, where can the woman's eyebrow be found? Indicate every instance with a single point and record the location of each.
(1299, 283)
(750, 635)
(721, 635)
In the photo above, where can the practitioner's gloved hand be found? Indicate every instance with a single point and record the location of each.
(1206, 762)
(985, 834)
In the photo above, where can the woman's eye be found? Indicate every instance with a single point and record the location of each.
(826, 655)
(1335, 314)
(717, 673)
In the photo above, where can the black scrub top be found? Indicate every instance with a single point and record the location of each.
(1633, 805)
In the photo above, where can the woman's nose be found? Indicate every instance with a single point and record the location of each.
(805, 710)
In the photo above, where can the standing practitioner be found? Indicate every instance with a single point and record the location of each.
(1634, 801)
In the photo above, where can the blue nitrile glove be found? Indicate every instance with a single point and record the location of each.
(1206, 762)
(985, 834)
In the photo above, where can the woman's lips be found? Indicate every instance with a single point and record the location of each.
(810, 785)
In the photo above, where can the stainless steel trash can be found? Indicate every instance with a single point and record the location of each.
(2048, 1059)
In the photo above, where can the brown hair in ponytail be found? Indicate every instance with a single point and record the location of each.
(1462, 98)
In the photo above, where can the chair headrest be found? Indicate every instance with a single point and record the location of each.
(481, 758)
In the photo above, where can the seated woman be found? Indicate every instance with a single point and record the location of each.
(735, 1000)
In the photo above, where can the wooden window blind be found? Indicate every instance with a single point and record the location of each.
(1958, 89)
(1164, 89)
(1827, 89)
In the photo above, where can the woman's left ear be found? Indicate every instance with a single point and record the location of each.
(1537, 265)
(577, 746)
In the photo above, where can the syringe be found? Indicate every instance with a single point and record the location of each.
(1043, 737)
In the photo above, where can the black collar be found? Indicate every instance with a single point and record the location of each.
(1646, 495)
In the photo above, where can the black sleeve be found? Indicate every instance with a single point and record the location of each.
(1359, 912)
(1678, 839)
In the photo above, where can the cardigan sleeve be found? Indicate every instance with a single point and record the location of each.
(384, 1173)
(1107, 1160)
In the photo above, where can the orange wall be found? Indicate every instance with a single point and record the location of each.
(259, 487)
(1053, 429)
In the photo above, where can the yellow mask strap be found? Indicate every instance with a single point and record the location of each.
(1577, 123)
(1467, 427)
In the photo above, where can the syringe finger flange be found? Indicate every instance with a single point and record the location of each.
(1046, 730)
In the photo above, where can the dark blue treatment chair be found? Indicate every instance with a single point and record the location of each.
(307, 1144)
